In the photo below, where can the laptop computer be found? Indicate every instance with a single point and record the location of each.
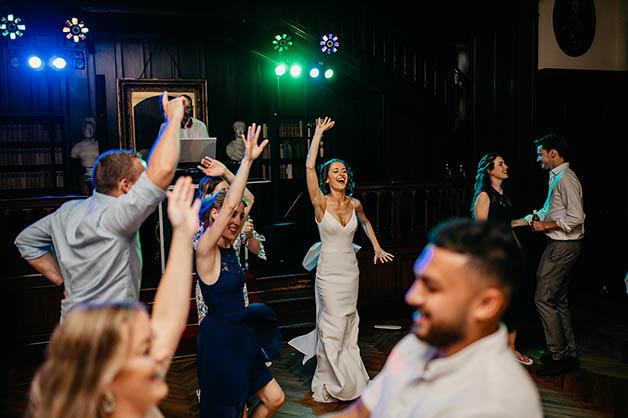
(194, 149)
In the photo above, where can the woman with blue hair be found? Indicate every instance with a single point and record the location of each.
(235, 342)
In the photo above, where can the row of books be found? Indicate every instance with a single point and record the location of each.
(31, 180)
(29, 132)
(297, 129)
(294, 148)
(31, 156)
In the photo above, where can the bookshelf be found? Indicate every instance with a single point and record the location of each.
(31, 155)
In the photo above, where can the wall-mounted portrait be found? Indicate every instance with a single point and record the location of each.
(139, 107)
(574, 25)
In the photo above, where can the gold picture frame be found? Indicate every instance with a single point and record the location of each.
(139, 112)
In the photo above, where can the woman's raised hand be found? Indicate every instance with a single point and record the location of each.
(251, 147)
(324, 124)
(211, 167)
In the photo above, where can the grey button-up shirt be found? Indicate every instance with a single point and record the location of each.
(96, 243)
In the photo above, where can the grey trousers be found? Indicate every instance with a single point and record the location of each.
(552, 285)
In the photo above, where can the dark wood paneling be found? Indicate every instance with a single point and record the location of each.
(589, 109)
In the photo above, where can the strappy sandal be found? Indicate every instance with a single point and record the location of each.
(522, 358)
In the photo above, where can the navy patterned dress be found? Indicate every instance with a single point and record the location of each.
(501, 209)
(234, 343)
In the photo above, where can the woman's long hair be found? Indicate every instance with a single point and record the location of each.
(324, 172)
(84, 355)
(482, 177)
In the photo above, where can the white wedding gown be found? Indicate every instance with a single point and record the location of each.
(340, 373)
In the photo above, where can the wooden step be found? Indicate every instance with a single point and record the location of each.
(270, 296)
(284, 281)
(294, 310)
(290, 331)
(284, 286)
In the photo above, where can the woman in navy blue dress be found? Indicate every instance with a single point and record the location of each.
(491, 200)
(235, 343)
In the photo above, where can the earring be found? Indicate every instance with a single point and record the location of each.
(108, 403)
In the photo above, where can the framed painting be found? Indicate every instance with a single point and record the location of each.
(139, 107)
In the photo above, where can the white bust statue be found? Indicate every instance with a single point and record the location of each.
(87, 151)
(235, 148)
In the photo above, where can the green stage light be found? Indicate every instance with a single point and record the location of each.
(329, 73)
(282, 42)
(280, 69)
(295, 70)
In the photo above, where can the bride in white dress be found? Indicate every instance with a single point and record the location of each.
(340, 373)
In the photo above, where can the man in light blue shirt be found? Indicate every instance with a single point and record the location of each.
(91, 246)
(562, 222)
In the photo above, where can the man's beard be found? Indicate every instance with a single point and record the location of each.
(442, 336)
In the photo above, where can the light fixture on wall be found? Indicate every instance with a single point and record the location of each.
(320, 68)
(75, 30)
(329, 43)
(295, 69)
(58, 62)
(54, 59)
(35, 62)
(282, 42)
(11, 27)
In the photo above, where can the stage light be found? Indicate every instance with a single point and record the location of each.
(329, 43)
(14, 58)
(14, 62)
(35, 62)
(75, 29)
(315, 72)
(280, 69)
(329, 73)
(295, 70)
(53, 60)
(58, 63)
(78, 60)
(282, 42)
(11, 27)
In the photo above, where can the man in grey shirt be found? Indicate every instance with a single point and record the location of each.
(92, 246)
(562, 221)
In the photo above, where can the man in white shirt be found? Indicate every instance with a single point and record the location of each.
(562, 221)
(456, 363)
(190, 126)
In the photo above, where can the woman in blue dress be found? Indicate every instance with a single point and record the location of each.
(491, 200)
(234, 343)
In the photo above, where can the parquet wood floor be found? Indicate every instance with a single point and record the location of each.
(598, 390)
